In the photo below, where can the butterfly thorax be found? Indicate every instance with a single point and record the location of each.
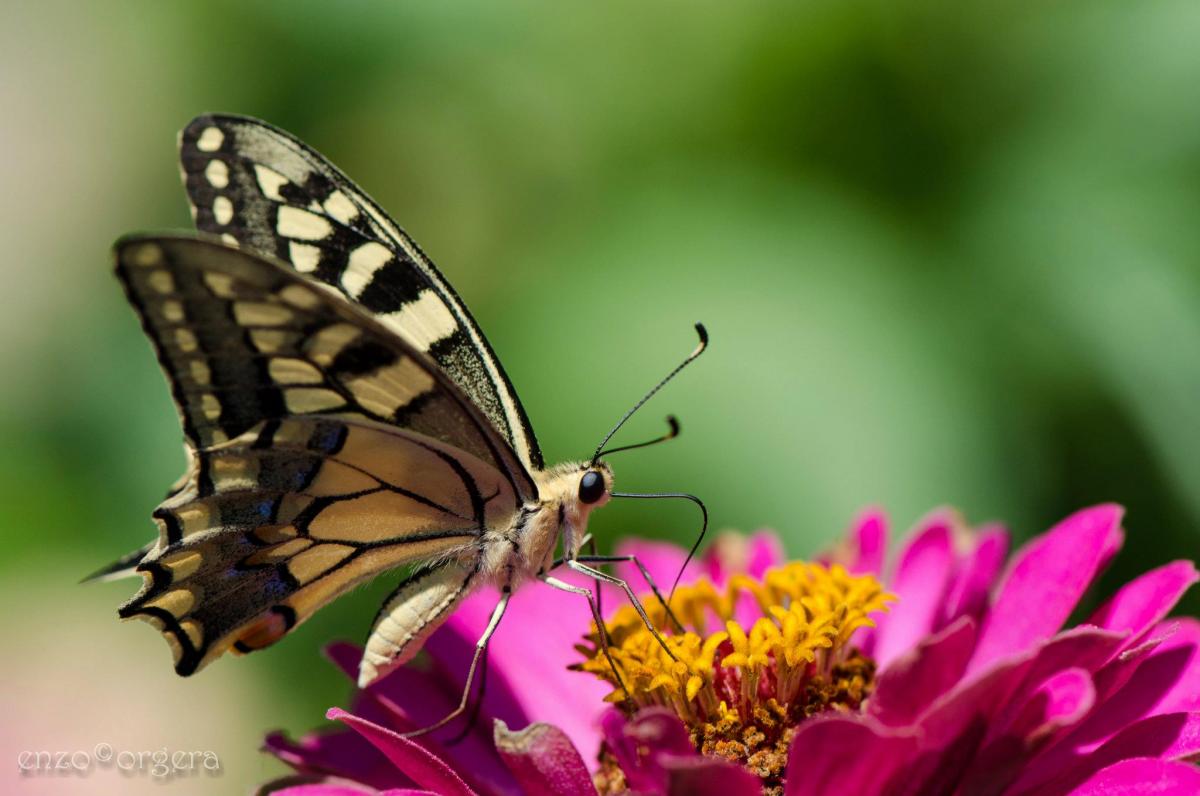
(527, 548)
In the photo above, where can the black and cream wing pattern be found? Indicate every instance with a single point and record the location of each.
(324, 448)
(257, 186)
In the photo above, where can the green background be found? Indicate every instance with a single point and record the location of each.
(947, 253)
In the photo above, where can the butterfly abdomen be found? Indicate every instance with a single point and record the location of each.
(412, 613)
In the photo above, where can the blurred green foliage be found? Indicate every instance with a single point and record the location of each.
(947, 254)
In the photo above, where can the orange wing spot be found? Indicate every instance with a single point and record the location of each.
(262, 633)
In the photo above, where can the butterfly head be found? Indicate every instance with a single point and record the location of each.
(595, 484)
(578, 486)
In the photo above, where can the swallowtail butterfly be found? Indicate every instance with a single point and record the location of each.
(343, 416)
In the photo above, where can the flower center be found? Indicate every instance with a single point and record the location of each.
(750, 661)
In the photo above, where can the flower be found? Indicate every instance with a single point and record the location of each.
(528, 680)
(968, 683)
(744, 665)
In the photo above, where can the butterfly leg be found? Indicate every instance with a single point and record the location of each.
(584, 569)
(601, 628)
(473, 718)
(590, 541)
(480, 648)
(592, 558)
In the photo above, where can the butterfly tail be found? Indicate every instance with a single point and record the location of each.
(123, 567)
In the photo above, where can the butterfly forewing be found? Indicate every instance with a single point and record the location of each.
(255, 185)
(243, 340)
(323, 449)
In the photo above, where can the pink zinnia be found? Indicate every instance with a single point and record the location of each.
(967, 684)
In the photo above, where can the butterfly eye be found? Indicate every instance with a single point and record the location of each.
(591, 487)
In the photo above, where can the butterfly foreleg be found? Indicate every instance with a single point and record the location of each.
(473, 717)
(621, 583)
(601, 628)
(592, 558)
(590, 541)
(480, 649)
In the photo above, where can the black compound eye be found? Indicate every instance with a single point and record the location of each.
(591, 487)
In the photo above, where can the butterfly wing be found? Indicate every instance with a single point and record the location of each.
(258, 186)
(301, 482)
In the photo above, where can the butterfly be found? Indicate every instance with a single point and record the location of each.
(343, 415)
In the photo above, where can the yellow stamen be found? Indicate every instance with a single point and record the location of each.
(785, 652)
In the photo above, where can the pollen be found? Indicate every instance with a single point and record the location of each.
(747, 662)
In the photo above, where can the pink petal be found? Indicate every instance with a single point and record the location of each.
(1184, 693)
(920, 581)
(410, 698)
(414, 760)
(1086, 648)
(642, 745)
(862, 551)
(1147, 600)
(662, 560)
(766, 551)
(709, 776)
(1157, 678)
(732, 553)
(347, 789)
(1045, 581)
(867, 542)
(975, 576)
(529, 656)
(1112, 543)
(1060, 701)
(341, 754)
(543, 761)
(1142, 776)
(910, 684)
(1112, 676)
(1165, 681)
(1173, 736)
(955, 726)
(843, 755)
(452, 647)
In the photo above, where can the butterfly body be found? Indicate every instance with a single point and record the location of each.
(506, 558)
(343, 416)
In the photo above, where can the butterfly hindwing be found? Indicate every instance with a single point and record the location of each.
(284, 518)
(260, 187)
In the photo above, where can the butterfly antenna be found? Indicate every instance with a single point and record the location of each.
(672, 433)
(699, 539)
(703, 333)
